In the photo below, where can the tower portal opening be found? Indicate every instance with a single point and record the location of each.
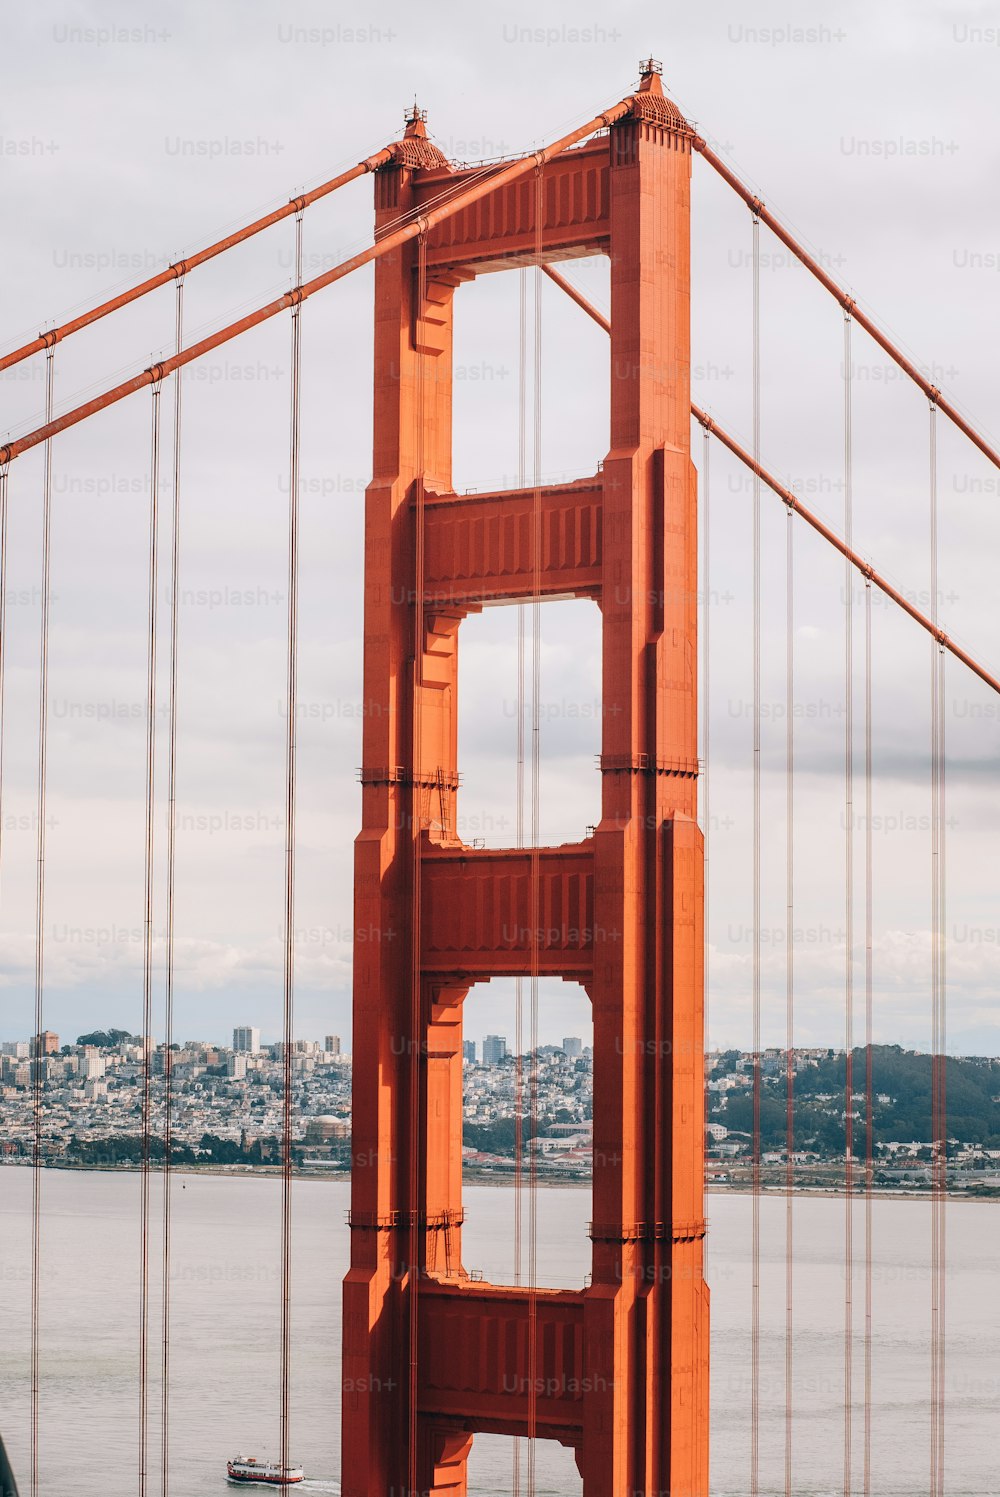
(494, 378)
(569, 723)
(556, 1132)
(492, 1460)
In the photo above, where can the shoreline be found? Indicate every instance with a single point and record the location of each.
(493, 1178)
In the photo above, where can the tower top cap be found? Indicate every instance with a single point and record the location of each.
(651, 71)
(416, 152)
(415, 120)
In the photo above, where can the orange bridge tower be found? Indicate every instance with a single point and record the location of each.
(617, 1370)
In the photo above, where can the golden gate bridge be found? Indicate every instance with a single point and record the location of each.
(618, 1370)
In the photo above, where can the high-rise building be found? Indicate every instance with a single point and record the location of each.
(494, 1049)
(572, 1047)
(469, 1051)
(45, 1043)
(332, 1044)
(246, 1040)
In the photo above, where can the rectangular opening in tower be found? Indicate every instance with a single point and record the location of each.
(491, 1466)
(490, 706)
(503, 436)
(556, 1132)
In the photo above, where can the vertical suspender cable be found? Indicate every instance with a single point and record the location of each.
(291, 761)
(706, 715)
(849, 918)
(869, 1053)
(942, 1094)
(168, 1026)
(756, 1151)
(3, 625)
(522, 438)
(935, 938)
(147, 944)
(789, 983)
(536, 705)
(935, 941)
(939, 1142)
(4, 475)
(37, 1070)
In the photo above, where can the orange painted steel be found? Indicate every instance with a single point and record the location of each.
(848, 303)
(478, 545)
(180, 268)
(616, 1370)
(482, 185)
(854, 557)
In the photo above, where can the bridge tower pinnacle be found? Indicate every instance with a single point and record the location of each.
(617, 1370)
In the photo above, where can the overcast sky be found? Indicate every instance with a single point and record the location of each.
(129, 134)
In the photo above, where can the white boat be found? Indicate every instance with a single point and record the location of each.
(243, 1469)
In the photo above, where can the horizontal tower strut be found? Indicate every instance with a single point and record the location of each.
(847, 302)
(422, 224)
(180, 268)
(786, 495)
(857, 561)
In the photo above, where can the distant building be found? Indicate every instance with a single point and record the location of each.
(45, 1043)
(236, 1066)
(572, 1047)
(322, 1129)
(332, 1044)
(246, 1040)
(494, 1049)
(469, 1051)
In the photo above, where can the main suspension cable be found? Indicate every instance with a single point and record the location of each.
(291, 764)
(857, 561)
(168, 1026)
(178, 270)
(848, 303)
(789, 499)
(419, 226)
(37, 1073)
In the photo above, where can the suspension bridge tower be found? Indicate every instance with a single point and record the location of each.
(617, 1370)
